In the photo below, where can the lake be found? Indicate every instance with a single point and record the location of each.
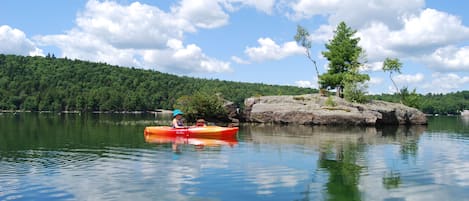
(105, 157)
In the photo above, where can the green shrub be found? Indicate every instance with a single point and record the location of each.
(355, 92)
(330, 102)
(202, 105)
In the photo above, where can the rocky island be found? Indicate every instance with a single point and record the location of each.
(314, 109)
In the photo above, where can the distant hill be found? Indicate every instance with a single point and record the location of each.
(53, 84)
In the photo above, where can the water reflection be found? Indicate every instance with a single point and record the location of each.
(465, 120)
(341, 153)
(320, 136)
(198, 143)
(59, 157)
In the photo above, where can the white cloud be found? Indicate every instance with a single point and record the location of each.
(402, 29)
(356, 13)
(374, 40)
(323, 34)
(85, 46)
(449, 58)
(265, 6)
(408, 79)
(431, 28)
(444, 83)
(421, 34)
(308, 8)
(375, 81)
(270, 50)
(239, 60)
(203, 14)
(141, 35)
(178, 58)
(14, 41)
(375, 66)
(137, 26)
(211, 13)
(305, 84)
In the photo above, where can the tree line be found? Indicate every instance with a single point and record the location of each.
(61, 84)
(450, 103)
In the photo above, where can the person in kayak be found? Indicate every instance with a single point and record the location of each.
(200, 123)
(177, 119)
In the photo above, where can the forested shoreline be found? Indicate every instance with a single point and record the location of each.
(446, 104)
(60, 84)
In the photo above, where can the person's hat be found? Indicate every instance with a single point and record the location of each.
(177, 112)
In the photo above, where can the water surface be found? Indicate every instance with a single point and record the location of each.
(105, 157)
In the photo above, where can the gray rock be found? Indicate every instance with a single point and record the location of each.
(312, 109)
(232, 111)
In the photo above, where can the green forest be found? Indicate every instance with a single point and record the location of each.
(450, 103)
(60, 84)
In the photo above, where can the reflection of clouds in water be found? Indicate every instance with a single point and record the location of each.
(269, 178)
(110, 179)
(440, 172)
(113, 174)
(452, 166)
(209, 161)
(371, 182)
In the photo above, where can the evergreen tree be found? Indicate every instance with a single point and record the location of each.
(343, 54)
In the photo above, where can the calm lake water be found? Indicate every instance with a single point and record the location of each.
(105, 157)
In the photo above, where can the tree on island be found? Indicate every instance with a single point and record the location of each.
(302, 37)
(343, 54)
(393, 65)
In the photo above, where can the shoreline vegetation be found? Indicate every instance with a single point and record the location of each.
(44, 85)
(164, 112)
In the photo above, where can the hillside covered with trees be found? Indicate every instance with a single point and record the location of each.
(52, 84)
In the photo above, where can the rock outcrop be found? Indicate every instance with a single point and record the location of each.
(232, 111)
(313, 109)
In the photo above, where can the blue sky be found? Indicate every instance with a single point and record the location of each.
(248, 40)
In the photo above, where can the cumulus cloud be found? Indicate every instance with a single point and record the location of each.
(408, 78)
(239, 60)
(431, 28)
(374, 66)
(305, 84)
(375, 81)
(323, 34)
(180, 58)
(308, 8)
(133, 26)
(141, 35)
(86, 46)
(270, 50)
(449, 58)
(421, 34)
(203, 14)
(356, 13)
(445, 82)
(265, 6)
(14, 41)
(402, 29)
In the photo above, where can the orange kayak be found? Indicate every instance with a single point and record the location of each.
(193, 141)
(214, 132)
